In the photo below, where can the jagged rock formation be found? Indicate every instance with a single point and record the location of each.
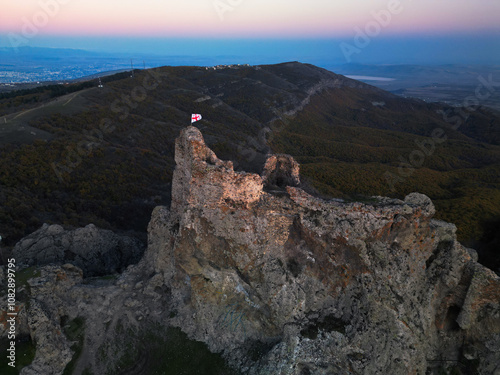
(283, 283)
(53, 348)
(281, 171)
(96, 251)
(315, 286)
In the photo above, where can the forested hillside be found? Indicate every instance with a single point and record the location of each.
(80, 154)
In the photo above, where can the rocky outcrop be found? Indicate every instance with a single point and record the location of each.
(200, 178)
(281, 171)
(317, 286)
(279, 281)
(53, 349)
(96, 251)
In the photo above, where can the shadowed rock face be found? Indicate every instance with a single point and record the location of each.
(96, 251)
(318, 286)
(282, 283)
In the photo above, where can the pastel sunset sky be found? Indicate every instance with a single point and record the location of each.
(155, 25)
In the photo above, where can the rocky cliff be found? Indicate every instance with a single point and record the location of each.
(314, 286)
(280, 282)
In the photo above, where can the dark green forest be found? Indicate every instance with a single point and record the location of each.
(107, 154)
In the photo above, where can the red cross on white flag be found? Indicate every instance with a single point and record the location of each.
(195, 118)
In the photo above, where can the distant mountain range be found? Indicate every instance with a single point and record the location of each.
(451, 84)
(77, 154)
(32, 64)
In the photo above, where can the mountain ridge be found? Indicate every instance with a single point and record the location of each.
(342, 132)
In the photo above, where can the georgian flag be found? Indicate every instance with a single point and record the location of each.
(195, 118)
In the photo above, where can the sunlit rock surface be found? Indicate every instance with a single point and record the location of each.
(279, 282)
